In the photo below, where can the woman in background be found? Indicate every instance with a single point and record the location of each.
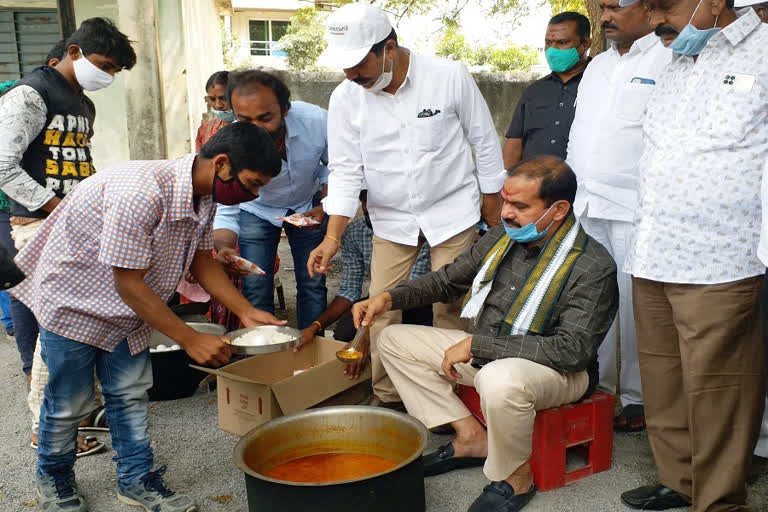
(221, 112)
(219, 116)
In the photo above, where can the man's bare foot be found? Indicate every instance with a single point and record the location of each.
(471, 438)
(522, 479)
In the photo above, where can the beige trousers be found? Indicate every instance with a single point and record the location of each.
(703, 370)
(37, 388)
(391, 263)
(23, 234)
(511, 391)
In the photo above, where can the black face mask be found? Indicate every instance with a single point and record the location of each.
(231, 191)
(279, 132)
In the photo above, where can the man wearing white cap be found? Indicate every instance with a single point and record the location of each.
(605, 144)
(406, 125)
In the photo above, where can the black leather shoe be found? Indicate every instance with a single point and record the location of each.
(443, 461)
(653, 497)
(501, 497)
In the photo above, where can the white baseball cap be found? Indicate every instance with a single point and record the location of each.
(740, 4)
(350, 31)
(625, 3)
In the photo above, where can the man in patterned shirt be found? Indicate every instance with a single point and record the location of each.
(524, 358)
(695, 272)
(356, 251)
(100, 272)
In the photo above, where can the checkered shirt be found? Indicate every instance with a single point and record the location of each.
(135, 215)
(356, 251)
(582, 315)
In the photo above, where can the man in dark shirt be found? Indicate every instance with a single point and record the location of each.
(544, 294)
(543, 116)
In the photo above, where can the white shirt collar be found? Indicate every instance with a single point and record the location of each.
(640, 45)
(737, 31)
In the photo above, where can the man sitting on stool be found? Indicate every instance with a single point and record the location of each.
(543, 294)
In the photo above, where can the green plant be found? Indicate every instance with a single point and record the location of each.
(559, 6)
(510, 57)
(452, 44)
(304, 40)
(513, 58)
(230, 49)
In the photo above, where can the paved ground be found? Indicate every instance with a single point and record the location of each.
(199, 456)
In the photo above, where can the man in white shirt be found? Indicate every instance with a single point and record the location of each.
(695, 273)
(406, 125)
(605, 144)
(761, 8)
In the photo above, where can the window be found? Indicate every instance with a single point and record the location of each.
(26, 36)
(264, 35)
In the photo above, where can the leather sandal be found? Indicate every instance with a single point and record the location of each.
(97, 420)
(631, 419)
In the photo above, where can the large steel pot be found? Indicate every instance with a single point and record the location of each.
(342, 429)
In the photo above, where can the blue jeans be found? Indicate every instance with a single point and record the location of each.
(7, 242)
(258, 242)
(25, 325)
(5, 310)
(124, 379)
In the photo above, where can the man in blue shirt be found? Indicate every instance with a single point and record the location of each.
(300, 134)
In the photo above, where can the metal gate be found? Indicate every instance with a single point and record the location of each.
(26, 36)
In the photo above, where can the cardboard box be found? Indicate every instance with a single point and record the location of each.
(262, 387)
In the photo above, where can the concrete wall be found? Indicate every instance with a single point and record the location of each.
(500, 90)
(110, 138)
(153, 111)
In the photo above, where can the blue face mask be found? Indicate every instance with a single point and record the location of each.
(225, 115)
(527, 233)
(561, 60)
(691, 40)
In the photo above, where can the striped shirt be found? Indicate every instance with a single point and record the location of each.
(135, 215)
(356, 252)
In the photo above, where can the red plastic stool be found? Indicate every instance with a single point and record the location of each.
(586, 426)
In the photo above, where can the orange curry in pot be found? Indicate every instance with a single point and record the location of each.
(330, 467)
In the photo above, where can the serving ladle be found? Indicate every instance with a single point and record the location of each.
(352, 355)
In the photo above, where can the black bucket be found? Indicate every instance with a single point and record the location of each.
(172, 377)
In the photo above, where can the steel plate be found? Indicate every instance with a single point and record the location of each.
(266, 330)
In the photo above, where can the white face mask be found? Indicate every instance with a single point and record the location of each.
(89, 76)
(385, 78)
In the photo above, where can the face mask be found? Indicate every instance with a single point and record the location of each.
(277, 134)
(230, 192)
(89, 76)
(690, 41)
(225, 115)
(385, 78)
(561, 60)
(527, 233)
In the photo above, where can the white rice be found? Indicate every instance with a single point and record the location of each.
(163, 348)
(259, 339)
